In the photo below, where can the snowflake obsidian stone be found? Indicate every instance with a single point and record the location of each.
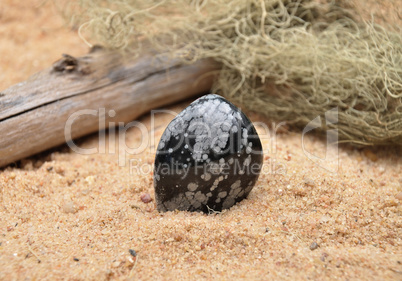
(208, 158)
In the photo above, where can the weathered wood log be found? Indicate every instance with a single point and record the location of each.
(33, 113)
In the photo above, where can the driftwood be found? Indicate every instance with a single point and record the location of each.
(33, 113)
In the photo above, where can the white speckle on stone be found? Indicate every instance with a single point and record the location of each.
(192, 186)
(209, 121)
(248, 150)
(231, 161)
(217, 149)
(236, 184)
(190, 195)
(247, 161)
(170, 150)
(224, 108)
(229, 202)
(205, 156)
(214, 168)
(196, 204)
(176, 202)
(222, 194)
(248, 189)
(234, 192)
(245, 136)
(207, 176)
(200, 197)
(221, 161)
(214, 185)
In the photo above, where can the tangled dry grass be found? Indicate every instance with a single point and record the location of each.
(290, 60)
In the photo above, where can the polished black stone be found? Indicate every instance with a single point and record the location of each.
(208, 158)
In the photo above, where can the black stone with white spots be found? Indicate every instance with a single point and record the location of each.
(208, 158)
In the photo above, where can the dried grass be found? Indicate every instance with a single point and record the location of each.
(288, 60)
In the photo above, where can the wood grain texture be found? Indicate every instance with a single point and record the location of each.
(33, 114)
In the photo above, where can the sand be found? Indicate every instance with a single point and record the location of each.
(69, 216)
